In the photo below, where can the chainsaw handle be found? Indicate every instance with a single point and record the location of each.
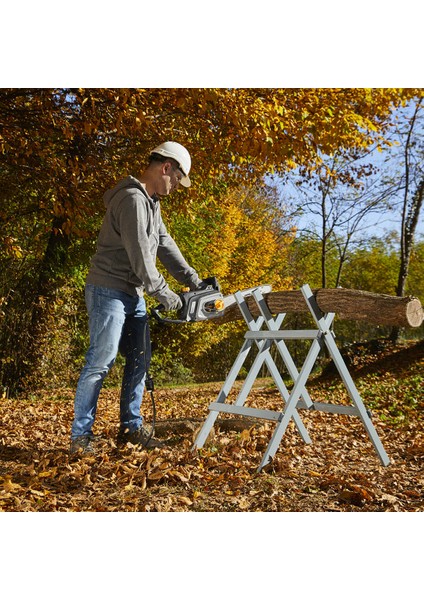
(156, 313)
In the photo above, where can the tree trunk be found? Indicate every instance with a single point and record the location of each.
(43, 297)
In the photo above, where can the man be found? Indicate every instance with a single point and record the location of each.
(124, 267)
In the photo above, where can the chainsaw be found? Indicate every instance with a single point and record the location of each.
(204, 303)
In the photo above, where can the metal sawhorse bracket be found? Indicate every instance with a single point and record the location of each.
(264, 339)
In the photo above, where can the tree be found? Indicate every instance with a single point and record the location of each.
(413, 190)
(60, 149)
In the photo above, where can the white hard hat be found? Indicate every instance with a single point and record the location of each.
(179, 154)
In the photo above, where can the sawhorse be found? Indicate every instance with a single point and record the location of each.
(321, 337)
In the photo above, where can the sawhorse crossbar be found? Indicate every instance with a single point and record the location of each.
(321, 337)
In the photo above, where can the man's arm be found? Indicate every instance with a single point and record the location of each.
(132, 223)
(174, 262)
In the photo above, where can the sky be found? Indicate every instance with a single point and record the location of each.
(389, 161)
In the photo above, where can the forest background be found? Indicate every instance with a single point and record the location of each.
(286, 191)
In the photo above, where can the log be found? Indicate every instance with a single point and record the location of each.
(358, 305)
(378, 309)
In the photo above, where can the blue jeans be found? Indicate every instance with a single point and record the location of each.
(117, 322)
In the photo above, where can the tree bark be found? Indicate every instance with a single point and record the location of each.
(378, 309)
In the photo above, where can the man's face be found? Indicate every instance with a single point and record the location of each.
(171, 178)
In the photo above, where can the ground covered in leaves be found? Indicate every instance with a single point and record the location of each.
(339, 471)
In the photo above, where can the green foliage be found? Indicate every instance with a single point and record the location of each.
(402, 397)
(415, 281)
(372, 267)
(304, 262)
(167, 368)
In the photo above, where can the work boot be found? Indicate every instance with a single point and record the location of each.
(82, 445)
(139, 437)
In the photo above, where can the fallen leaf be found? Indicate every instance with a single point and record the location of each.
(46, 474)
(389, 498)
(351, 497)
(185, 500)
(156, 475)
(245, 435)
(9, 485)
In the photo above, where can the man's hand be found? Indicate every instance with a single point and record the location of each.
(171, 301)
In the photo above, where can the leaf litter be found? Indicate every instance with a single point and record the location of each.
(339, 471)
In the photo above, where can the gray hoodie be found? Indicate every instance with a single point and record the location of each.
(131, 237)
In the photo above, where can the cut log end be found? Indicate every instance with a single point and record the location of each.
(414, 313)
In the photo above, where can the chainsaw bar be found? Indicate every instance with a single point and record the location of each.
(231, 300)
